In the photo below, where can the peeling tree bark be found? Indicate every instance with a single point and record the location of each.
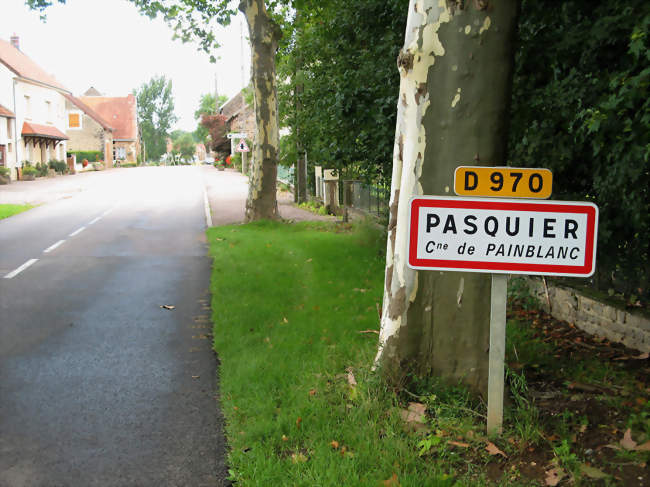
(264, 35)
(456, 69)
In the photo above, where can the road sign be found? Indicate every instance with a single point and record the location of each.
(242, 147)
(555, 238)
(503, 182)
(236, 136)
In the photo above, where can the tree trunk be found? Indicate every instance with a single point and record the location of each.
(456, 69)
(264, 36)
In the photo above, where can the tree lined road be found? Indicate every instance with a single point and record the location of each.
(98, 384)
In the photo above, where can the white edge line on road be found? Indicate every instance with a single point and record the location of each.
(94, 220)
(77, 232)
(110, 210)
(52, 247)
(206, 206)
(21, 268)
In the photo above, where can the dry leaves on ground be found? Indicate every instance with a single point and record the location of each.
(492, 449)
(554, 476)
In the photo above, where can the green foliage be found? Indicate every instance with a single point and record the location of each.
(29, 171)
(581, 108)
(340, 97)
(41, 169)
(155, 114)
(59, 166)
(4, 171)
(90, 156)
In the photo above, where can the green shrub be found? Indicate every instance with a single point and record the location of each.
(4, 172)
(59, 166)
(95, 155)
(29, 171)
(41, 169)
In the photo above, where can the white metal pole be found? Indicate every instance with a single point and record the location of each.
(497, 354)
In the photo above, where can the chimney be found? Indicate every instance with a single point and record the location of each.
(15, 41)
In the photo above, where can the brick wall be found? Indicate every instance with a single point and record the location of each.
(592, 316)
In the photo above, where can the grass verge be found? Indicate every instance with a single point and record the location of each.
(293, 309)
(7, 210)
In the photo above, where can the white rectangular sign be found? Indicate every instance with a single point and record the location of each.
(503, 236)
(236, 136)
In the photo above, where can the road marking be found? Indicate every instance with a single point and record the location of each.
(52, 247)
(77, 232)
(95, 220)
(110, 210)
(21, 268)
(206, 207)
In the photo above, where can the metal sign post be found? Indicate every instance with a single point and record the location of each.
(497, 354)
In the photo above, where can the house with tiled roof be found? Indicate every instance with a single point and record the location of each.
(88, 131)
(121, 113)
(32, 111)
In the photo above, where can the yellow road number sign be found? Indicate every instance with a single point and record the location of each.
(503, 182)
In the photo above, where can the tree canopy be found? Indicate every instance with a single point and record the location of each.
(155, 114)
(580, 107)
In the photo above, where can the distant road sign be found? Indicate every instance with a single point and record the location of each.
(242, 147)
(503, 182)
(556, 238)
(236, 136)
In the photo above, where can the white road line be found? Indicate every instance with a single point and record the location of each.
(109, 211)
(206, 207)
(77, 232)
(21, 268)
(94, 220)
(52, 247)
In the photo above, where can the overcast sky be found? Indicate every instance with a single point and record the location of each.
(109, 45)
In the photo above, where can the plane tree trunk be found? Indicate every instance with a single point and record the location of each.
(456, 69)
(264, 36)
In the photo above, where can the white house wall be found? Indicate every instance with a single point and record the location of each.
(38, 109)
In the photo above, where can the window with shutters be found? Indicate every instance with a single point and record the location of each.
(74, 120)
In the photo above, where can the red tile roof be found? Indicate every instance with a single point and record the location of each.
(5, 112)
(23, 66)
(89, 111)
(37, 130)
(119, 112)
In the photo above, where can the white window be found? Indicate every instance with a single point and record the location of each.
(10, 147)
(119, 153)
(48, 111)
(10, 132)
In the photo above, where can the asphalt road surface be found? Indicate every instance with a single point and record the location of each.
(99, 385)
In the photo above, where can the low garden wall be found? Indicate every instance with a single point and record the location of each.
(592, 316)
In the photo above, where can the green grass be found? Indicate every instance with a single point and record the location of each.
(7, 210)
(288, 304)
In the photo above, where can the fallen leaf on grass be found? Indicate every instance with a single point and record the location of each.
(298, 422)
(334, 444)
(554, 476)
(644, 447)
(312, 392)
(415, 413)
(285, 438)
(592, 472)
(627, 442)
(370, 331)
(298, 458)
(392, 482)
(308, 260)
(167, 306)
(351, 379)
(458, 443)
(492, 449)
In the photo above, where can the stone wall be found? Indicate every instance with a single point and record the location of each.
(593, 317)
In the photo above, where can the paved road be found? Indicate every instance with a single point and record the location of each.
(99, 386)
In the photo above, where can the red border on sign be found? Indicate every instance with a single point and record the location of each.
(585, 269)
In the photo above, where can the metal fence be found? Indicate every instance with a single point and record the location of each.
(373, 199)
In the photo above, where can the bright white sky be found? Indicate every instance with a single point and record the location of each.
(109, 45)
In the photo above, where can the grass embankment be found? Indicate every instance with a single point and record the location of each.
(291, 307)
(7, 210)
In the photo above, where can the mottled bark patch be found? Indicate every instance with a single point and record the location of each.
(397, 304)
